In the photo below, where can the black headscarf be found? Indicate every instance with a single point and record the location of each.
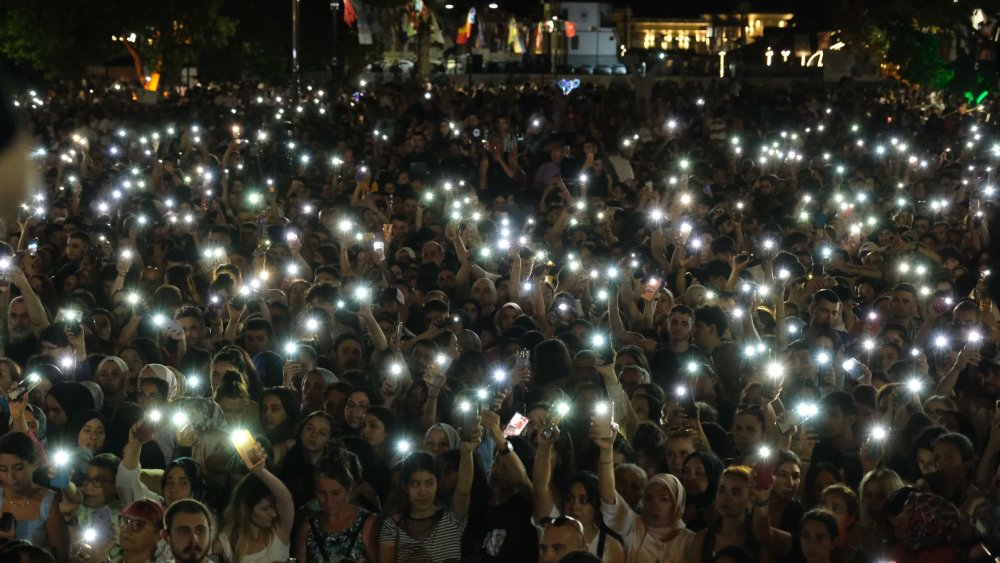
(713, 470)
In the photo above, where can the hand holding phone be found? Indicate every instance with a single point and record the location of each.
(763, 469)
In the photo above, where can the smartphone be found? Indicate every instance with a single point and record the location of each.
(523, 359)
(516, 425)
(468, 419)
(604, 414)
(25, 386)
(763, 469)
(33, 247)
(852, 367)
(554, 417)
(650, 288)
(150, 424)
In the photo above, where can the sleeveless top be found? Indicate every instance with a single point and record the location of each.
(332, 547)
(34, 530)
(275, 551)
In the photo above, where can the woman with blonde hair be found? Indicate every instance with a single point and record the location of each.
(876, 487)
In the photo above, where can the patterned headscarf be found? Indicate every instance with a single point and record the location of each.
(203, 414)
(932, 521)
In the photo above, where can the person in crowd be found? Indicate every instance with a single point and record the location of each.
(424, 530)
(804, 270)
(257, 522)
(33, 508)
(339, 529)
(187, 529)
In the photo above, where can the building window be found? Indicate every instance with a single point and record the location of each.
(649, 40)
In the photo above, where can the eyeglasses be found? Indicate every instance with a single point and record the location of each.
(96, 481)
(134, 524)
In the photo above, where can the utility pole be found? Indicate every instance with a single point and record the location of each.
(295, 49)
(335, 62)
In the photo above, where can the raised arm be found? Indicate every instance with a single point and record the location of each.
(606, 465)
(39, 318)
(463, 489)
(283, 502)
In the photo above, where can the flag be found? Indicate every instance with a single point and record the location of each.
(539, 46)
(514, 38)
(570, 29)
(465, 32)
(350, 15)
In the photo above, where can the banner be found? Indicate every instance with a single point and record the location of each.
(350, 14)
(465, 32)
(514, 38)
(570, 29)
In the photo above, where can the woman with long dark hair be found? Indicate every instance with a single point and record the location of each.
(313, 435)
(423, 530)
(279, 412)
(33, 507)
(581, 501)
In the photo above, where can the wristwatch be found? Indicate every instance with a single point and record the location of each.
(505, 449)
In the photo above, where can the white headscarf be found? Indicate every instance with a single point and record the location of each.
(164, 373)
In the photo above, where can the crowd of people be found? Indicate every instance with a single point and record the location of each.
(669, 322)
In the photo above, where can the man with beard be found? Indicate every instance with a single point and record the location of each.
(824, 315)
(22, 330)
(188, 531)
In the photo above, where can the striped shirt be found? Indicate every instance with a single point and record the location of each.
(442, 545)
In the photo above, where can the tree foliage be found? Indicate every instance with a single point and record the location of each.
(59, 38)
(928, 40)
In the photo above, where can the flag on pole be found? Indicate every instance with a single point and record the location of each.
(465, 32)
(350, 15)
(514, 38)
(539, 45)
(570, 29)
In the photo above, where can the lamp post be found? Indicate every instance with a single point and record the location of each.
(334, 62)
(295, 49)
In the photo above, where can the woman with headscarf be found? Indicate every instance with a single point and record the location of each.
(201, 434)
(164, 373)
(112, 377)
(88, 431)
(700, 476)
(182, 478)
(270, 367)
(659, 534)
(440, 438)
(65, 400)
(927, 529)
(96, 392)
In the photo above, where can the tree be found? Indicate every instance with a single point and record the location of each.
(928, 40)
(59, 38)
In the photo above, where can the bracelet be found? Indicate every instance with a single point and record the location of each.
(762, 504)
(429, 396)
(805, 460)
